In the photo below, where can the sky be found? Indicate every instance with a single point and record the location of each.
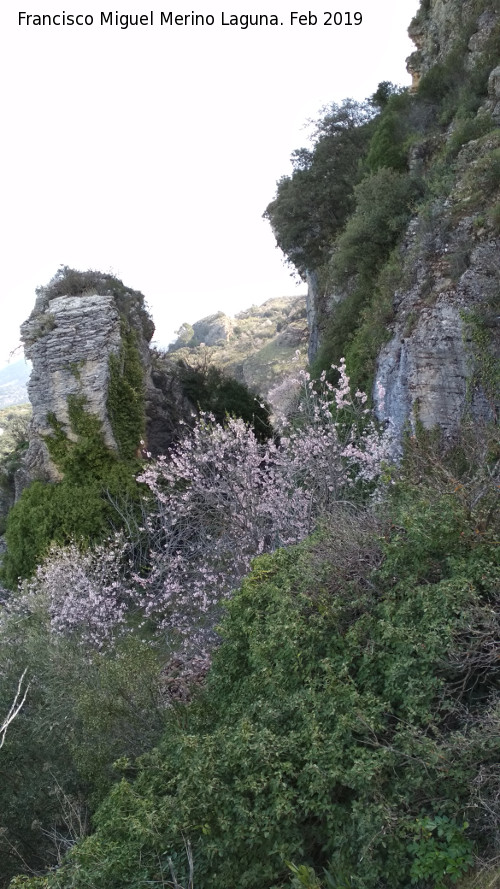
(151, 151)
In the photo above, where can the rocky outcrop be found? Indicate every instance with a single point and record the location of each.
(215, 330)
(77, 324)
(437, 26)
(445, 335)
(493, 104)
(452, 261)
(446, 319)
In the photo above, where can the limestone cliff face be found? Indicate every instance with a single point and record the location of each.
(453, 267)
(215, 330)
(451, 276)
(69, 338)
(435, 29)
(444, 338)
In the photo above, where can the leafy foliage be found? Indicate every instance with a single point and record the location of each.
(389, 144)
(312, 204)
(81, 507)
(384, 202)
(125, 401)
(329, 733)
(212, 392)
(85, 709)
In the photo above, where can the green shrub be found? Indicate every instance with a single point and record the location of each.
(84, 711)
(389, 144)
(494, 217)
(330, 725)
(467, 129)
(125, 401)
(87, 457)
(383, 205)
(479, 329)
(444, 79)
(441, 851)
(384, 202)
(211, 391)
(61, 512)
(362, 350)
(86, 506)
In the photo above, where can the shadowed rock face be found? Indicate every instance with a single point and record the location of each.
(435, 29)
(69, 339)
(451, 252)
(453, 265)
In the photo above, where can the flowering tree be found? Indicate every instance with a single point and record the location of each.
(82, 593)
(220, 501)
(220, 498)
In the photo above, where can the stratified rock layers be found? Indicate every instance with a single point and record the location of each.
(69, 339)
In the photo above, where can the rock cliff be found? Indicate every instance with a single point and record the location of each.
(78, 323)
(446, 317)
(255, 347)
(446, 325)
(438, 352)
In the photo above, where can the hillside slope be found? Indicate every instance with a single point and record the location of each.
(255, 347)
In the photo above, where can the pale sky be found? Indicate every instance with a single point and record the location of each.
(152, 151)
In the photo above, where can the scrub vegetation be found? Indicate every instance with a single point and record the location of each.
(269, 658)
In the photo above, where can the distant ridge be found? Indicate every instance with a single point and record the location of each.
(13, 380)
(258, 346)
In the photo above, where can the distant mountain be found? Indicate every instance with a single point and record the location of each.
(256, 346)
(13, 380)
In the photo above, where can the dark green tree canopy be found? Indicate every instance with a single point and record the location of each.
(312, 205)
(211, 391)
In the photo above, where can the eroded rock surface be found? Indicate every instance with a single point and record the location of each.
(453, 263)
(69, 338)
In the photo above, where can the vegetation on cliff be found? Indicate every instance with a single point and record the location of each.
(346, 734)
(345, 225)
(282, 671)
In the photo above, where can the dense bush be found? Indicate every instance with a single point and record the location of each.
(383, 206)
(384, 202)
(81, 507)
(211, 391)
(84, 710)
(389, 144)
(58, 513)
(125, 401)
(343, 725)
(312, 204)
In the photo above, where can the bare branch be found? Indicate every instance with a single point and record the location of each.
(15, 708)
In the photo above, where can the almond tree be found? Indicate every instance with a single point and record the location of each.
(219, 498)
